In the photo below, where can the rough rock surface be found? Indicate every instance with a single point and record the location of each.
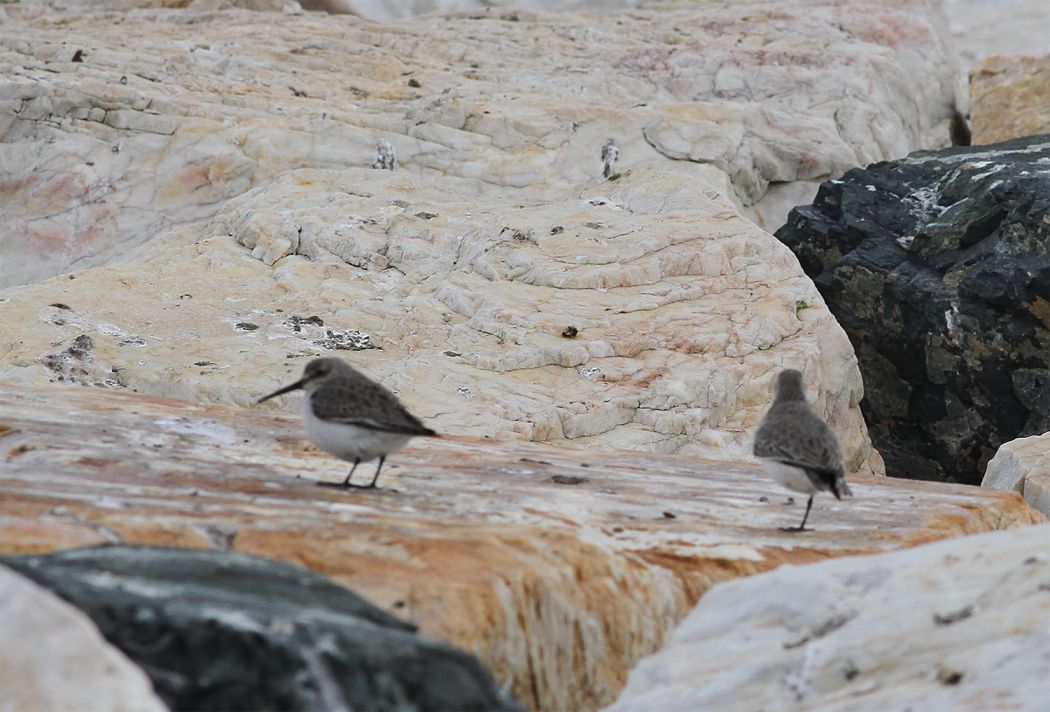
(1010, 98)
(1023, 466)
(957, 625)
(938, 268)
(221, 630)
(55, 659)
(683, 312)
(119, 124)
(557, 568)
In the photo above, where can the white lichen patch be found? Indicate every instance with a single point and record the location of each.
(314, 335)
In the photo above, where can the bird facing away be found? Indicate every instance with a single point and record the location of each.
(351, 416)
(797, 447)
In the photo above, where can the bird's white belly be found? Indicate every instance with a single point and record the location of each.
(789, 476)
(350, 442)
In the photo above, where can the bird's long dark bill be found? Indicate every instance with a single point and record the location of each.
(281, 391)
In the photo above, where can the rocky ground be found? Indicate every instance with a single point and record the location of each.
(569, 271)
(166, 114)
(679, 312)
(557, 567)
(495, 233)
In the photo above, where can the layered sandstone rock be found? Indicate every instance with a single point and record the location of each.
(957, 625)
(1023, 466)
(558, 568)
(1010, 98)
(642, 314)
(124, 123)
(55, 659)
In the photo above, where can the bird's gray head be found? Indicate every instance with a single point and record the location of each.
(789, 386)
(319, 369)
(315, 373)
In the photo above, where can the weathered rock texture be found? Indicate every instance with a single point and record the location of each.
(938, 267)
(957, 625)
(54, 658)
(496, 232)
(221, 630)
(1010, 98)
(557, 568)
(117, 125)
(683, 312)
(1023, 466)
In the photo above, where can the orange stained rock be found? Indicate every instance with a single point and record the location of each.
(1010, 98)
(558, 567)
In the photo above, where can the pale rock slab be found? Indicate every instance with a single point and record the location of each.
(684, 312)
(55, 659)
(169, 113)
(958, 625)
(558, 568)
(1023, 466)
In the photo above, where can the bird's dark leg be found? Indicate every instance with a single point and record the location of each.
(346, 482)
(375, 479)
(809, 506)
(801, 527)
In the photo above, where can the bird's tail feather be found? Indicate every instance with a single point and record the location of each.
(839, 488)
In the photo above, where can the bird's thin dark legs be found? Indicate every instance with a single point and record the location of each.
(375, 479)
(801, 527)
(370, 485)
(346, 482)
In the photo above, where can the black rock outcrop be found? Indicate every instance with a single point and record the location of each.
(938, 268)
(224, 631)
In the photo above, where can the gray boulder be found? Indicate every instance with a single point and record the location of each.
(220, 630)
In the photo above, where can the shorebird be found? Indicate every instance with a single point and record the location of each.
(797, 447)
(351, 416)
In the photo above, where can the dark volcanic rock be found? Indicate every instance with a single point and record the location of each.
(938, 268)
(220, 630)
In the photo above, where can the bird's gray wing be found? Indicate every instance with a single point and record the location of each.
(366, 404)
(793, 434)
